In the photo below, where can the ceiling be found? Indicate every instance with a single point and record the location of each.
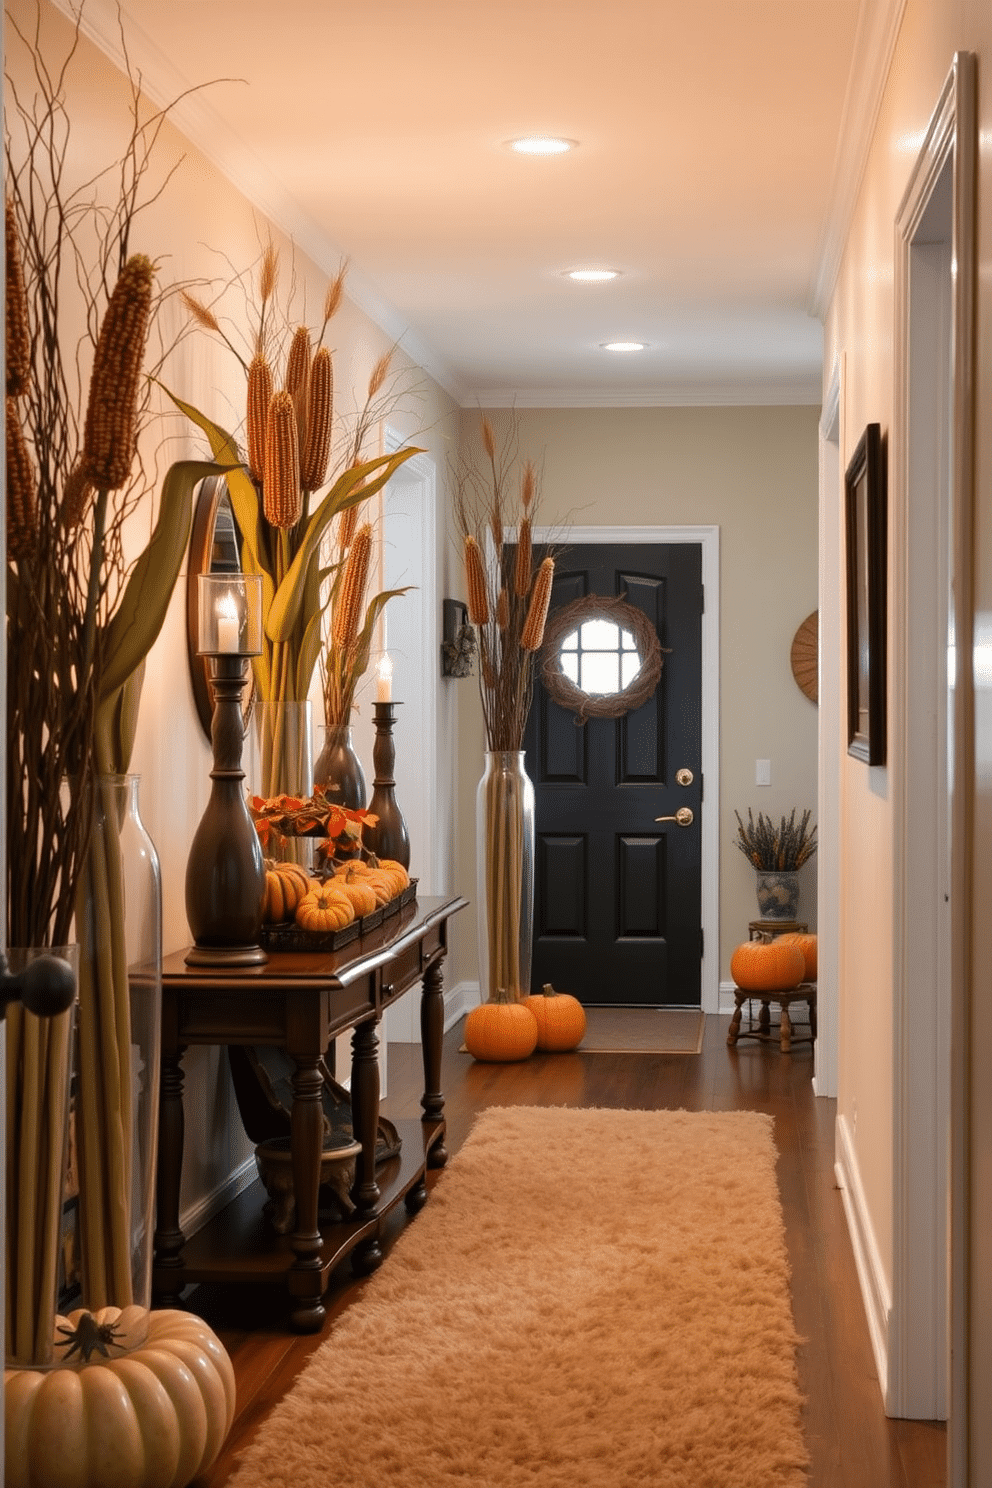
(712, 168)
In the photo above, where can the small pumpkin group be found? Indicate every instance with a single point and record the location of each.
(501, 1031)
(769, 964)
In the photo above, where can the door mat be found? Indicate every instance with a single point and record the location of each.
(643, 1031)
(612, 1030)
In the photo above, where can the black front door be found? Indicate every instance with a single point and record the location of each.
(617, 893)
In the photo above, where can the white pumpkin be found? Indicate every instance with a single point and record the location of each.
(151, 1415)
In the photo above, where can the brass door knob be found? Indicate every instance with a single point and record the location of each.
(683, 817)
(684, 777)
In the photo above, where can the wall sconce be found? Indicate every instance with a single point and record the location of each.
(458, 645)
(225, 871)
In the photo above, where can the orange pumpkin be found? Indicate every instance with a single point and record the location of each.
(386, 882)
(767, 965)
(286, 884)
(500, 1031)
(807, 944)
(324, 908)
(357, 890)
(561, 1019)
(390, 865)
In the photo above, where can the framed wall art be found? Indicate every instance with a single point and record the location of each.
(865, 500)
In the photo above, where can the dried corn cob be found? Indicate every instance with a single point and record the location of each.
(18, 340)
(488, 438)
(502, 608)
(321, 407)
(76, 497)
(475, 578)
(348, 611)
(533, 632)
(281, 498)
(298, 362)
(347, 523)
(22, 494)
(259, 398)
(111, 413)
(522, 571)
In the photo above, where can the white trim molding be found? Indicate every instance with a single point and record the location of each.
(932, 764)
(874, 46)
(830, 726)
(867, 1258)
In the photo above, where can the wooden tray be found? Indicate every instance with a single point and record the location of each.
(291, 937)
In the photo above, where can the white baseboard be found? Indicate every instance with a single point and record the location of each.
(458, 1001)
(875, 1292)
(203, 1211)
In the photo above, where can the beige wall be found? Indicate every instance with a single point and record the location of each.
(753, 473)
(860, 327)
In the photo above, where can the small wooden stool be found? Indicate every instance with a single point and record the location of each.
(806, 992)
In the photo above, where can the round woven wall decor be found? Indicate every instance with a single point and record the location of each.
(805, 656)
(563, 691)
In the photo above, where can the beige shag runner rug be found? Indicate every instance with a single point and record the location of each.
(589, 1299)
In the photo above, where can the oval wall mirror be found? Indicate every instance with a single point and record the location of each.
(214, 547)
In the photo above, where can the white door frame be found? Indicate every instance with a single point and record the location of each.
(931, 766)
(708, 539)
(410, 534)
(831, 737)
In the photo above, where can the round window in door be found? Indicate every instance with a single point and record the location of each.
(601, 657)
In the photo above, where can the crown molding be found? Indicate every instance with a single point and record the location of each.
(875, 42)
(803, 392)
(189, 109)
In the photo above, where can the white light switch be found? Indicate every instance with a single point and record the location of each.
(762, 772)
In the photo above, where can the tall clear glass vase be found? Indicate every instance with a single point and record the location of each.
(282, 765)
(505, 847)
(119, 924)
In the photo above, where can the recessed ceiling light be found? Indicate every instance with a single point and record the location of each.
(591, 276)
(624, 345)
(541, 144)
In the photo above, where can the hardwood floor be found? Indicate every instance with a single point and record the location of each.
(852, 1443)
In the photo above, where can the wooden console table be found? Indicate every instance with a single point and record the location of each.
(300, 1001)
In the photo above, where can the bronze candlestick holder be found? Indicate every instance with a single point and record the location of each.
(225, 871)
(389, 837)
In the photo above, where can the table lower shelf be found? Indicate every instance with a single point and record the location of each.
(239, 1245)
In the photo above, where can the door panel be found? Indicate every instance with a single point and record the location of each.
(617, 894)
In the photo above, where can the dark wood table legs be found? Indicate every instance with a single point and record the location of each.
(365, 1124)
(306, 1144)
(431, 1036)
(300, 1001)
(169, 1238)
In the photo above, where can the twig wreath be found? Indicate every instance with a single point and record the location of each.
(563, 691)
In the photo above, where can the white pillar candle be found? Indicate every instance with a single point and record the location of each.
(384, 680)
(228, 626)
